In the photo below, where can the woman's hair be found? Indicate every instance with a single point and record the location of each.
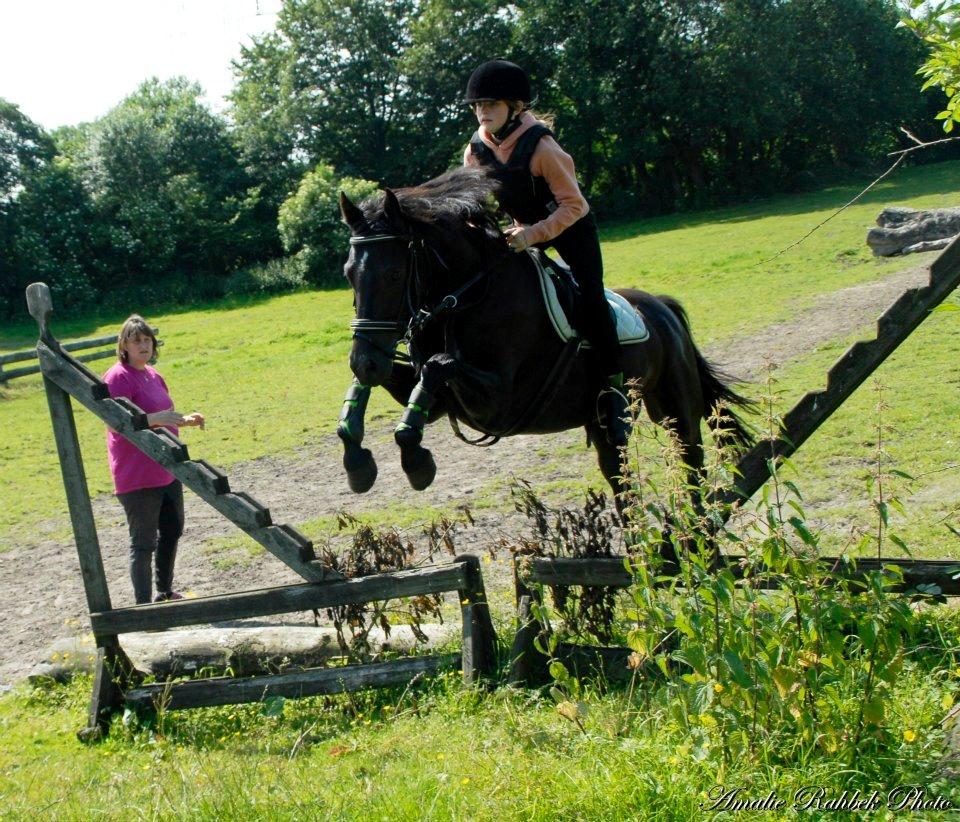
(136, 326)
(548, 119)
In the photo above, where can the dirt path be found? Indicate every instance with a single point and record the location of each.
(40, 584)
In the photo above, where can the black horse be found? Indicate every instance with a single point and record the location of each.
(430, 265)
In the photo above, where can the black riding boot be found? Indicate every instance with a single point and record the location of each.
(613, 411)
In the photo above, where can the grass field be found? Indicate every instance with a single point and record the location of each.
(270, 375)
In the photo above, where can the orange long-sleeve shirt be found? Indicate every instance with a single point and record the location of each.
(555, 166)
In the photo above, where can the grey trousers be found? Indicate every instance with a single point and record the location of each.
(155, 520)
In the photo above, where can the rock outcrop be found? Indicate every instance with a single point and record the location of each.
(906, 230)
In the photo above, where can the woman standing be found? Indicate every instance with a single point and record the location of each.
(151, 497)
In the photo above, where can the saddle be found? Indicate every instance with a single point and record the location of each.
(561, 296)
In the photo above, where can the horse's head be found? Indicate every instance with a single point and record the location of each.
(378, 270)
(399, 248)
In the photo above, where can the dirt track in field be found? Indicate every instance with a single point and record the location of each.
(40, 584)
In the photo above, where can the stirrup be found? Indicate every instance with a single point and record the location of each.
(613, 415)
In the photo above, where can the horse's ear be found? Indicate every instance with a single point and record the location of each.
(391, 208)
(352, 215)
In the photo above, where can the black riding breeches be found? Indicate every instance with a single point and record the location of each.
(579, 246)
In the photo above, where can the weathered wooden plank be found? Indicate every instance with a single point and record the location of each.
(82, 386)
(479, 635)
(849, 372)
(287, 540)
(13, 373)
(214, 478)
(601, 571)
(612, 572)
(310, 682)
(528, 667)
(132, 417)
(18, 356)
(78, 498)
(945, 270)
(280, 600)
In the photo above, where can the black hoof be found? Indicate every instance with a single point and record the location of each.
(419, 466)
(361, 469)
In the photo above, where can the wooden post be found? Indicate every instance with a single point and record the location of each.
(528, 666)
(113, 667)
(479, 636)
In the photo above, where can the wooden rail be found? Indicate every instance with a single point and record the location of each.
(528, 665)
(75, 345)
(848, 373)
(612, 571)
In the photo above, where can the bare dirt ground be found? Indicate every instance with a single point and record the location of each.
(40, 584)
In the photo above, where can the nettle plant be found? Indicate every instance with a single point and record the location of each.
(776, 654)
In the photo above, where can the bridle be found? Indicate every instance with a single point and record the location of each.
(419, 316)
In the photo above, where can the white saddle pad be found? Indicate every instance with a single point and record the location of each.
(630, 326)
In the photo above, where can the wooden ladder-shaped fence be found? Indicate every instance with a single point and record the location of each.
(64, 377)
(862, 358)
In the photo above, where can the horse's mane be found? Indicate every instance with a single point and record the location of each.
(462, 196)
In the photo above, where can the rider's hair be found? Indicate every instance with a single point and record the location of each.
(549, 120)
(136, 326)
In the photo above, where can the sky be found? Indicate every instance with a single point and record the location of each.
(65, 62)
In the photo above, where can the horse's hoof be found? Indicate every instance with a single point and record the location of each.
(419, 466)
(361, 470)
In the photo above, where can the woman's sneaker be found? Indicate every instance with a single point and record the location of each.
(167, 596)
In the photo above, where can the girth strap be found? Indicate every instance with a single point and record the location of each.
(548, 390)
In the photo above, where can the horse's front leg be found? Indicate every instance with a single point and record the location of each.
(417, 462)
(358, 461)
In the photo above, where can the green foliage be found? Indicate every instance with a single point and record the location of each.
(663, 104)
(310, 225)
(937, 24)
(784, 661)
(24, 147)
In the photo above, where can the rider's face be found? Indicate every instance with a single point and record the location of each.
(492, 114)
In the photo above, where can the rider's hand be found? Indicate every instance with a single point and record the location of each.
(517, 237)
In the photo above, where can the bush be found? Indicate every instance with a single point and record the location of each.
(310, 225)
(271, 277)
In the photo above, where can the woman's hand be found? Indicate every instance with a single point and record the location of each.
(196, 418)
(168, 417)
(517, 237)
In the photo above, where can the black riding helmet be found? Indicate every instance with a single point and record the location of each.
(498, 80)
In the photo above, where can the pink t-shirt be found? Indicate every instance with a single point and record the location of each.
(131, 468)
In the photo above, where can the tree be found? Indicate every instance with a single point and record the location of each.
(310, 224)
(937, 24)
(167, 179)
(24, 148)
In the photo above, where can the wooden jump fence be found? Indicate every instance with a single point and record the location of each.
(115, 682)
(753, 470)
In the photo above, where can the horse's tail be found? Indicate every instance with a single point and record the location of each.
(718, 396)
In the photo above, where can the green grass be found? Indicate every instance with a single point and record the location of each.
(436, 752)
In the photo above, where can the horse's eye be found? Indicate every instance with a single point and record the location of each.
(396, 275)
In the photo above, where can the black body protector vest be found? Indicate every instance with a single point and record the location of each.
(523, 196)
